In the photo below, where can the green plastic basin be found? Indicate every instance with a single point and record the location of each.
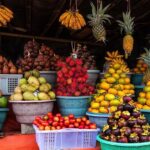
(3, 115)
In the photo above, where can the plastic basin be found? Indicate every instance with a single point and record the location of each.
(26, 111)
(73, 105)
(138, 89)
(93, 75)
(98, 118)
(108, 145)
(3, 115)
(146, 114)
(137, 79)
(50, 76)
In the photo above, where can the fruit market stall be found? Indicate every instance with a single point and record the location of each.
(74, 75)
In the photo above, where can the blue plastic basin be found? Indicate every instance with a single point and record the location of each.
(146, 113)
(73, 105)
(98, 118)
(3, 115)
(137, 79)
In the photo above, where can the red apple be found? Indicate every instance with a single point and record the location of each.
(84, 119)
(47, 128)
(92, 126)
(41, 127)
(72, 121)
(58, 127)
(66, 123)
(86, 127)
(76, 125)
(50, 121)
(38, 118)
(66, 118)
(54, 124)
(45, 117)
(58, 115)
(78, 120)
(81, 127)
(44, 123)
(71, 116)
(88, 122)
(61, 119)
(56, 119)
(61, 124)
(71, 126)
(53, 128)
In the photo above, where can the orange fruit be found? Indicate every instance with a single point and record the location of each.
(119, 87)
(99, 98)
(147, 88)
(115, 75)
(103, 110)
(142, 69)
(104, 103)
(121, 81)
(135, 70)
(127, 80)
(123, 75)
(142, 94)
(131, 86)
(90, 109)
(111, 70)
(95, 105)
(148, 83)
(132, 92)
(112, 109)
(121, 93)
(139, 65)
(95, 111)
(104, 86)
(116, 66)
(119, 71)
(114, 102)
(148, 95)
(101, 91)
(112, 91)
(109, 97)
(145, 65)
(111, 80)
(140, 61)
(146, 107)
(141, 100)
(148, 102)
(106, 75)
(127, 87)
(139, 106)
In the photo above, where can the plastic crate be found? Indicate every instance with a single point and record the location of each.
(66, 138)
(137, 79)
(146, 113)
(8, 82)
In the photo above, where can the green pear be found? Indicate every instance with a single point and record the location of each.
(22, 81)
(49, 85)
(31, 88)
(3, 102)
(42, 80)
(43, 96)
(17, 89)
(27, 74)
(44, 88)
(52, 95)
(33, 81)
(28, 96)
(17, 97)
(36, 73)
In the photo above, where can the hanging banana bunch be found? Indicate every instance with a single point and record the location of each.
(72, 19)
(5, 15)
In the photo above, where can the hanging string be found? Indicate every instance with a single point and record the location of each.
(76, 3)
(70, 3)
(128, 5)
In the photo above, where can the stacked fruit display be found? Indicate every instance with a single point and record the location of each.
(141, 67)
(33, 87)
(71, 78)
(7, 67)
(88, 59)
(38, 57)
(144, 98)
(112, 88)
(56, 122)
(126, 125)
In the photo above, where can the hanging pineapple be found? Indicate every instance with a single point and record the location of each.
(146, 58)
(128, 26)
(97, 20)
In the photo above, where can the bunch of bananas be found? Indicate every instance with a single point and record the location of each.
(5, 15)
(124, 68)
(72, 19)
(113, 55)
(118, 61)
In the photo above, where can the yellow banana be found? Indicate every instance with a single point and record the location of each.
(72, 22)
(81, 19)
(3, 21)
(5, 12)
(7, 9)
(77, 23)
(63, 16)
(5, 17)
(67, 19)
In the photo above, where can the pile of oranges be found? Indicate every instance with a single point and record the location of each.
(143, 101)
(111, 90)
(141, 67)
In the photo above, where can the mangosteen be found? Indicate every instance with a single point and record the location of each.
(122, 139)
(111, 121)
(128, 107)
(107, 132)
(146, 127)
(125, 131)
(106, 138)
(106, 127)
(144, 137)
(132, 121)
(117, 114)
(115, 130)
(136, 113)
(141, 120)
(120, 107)
(137, 129)
(133, 138)
(125, 115)
(127, 99)
(122, 123)
(113, 138)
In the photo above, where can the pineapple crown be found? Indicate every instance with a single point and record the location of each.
(146, 56)
(99, 15)
(127, 24)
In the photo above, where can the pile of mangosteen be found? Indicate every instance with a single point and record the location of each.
(126, 125)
